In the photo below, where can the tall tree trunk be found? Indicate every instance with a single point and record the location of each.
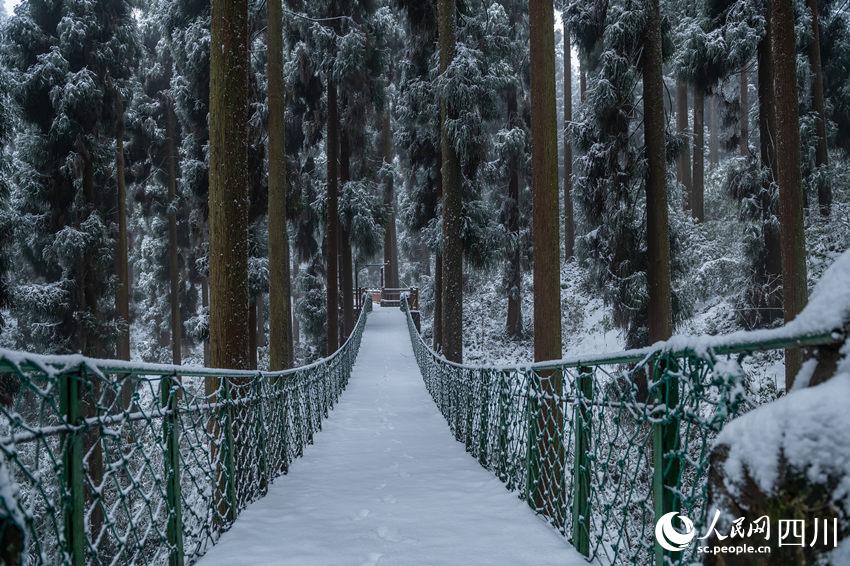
(122, 269)
(438, 276)
(173, 260)
(332, 221)
(744, 141)
(296, 325)
(768, 268)
(514, 320)
(698, 189)
(228, 207)
(547, 485)
(818, 105)
(252, 333)
(205, 302)
(438, 302)
(452, 203)
(714, 138)
(261, 320)
(346, 273)
(280, 311)
(390, 235)
(90, 343)
(228, 195)
(569, 226)
(658, 238)
(683, 162)
(582, 80)
(793, 238)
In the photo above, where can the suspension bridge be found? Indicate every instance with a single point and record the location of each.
(382, 453)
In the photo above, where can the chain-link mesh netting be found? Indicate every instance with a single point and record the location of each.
(602, 447)
(107, 462)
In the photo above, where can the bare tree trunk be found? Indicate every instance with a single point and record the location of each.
(173, 260)
(658, 238)
(697, 192)
(89, 343)
(569, 226)
(122, 295)
(390, 235)
(438, 302)
(452, 203)
(768, 270)
(332, 221)
(582, 80)
(744, 142)
(252, 333)
(228, 185)
(547, 490)
(818, 105)
(205, 301)
(514, 321)
(280, 311)
(261, 320)
(714, 138)
(228, 209)
(793, 238)
(683, 162)
(438, 269)
(346, 274)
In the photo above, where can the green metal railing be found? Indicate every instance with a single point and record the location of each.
(109, 462)
(603, 446)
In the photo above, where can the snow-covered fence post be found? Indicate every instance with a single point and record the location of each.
(665, 442)
(72, 466)
(169, 398)
(582, 415)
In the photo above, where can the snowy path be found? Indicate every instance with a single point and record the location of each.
(387, 484)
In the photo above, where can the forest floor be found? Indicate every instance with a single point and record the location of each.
(386, 483)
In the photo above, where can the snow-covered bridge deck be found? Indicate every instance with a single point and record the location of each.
(386, 483)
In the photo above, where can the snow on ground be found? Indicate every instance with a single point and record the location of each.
(387, 484)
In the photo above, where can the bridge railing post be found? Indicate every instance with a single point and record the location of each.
(582, 415)
(665, 444)
(169, 387)
(72, 466)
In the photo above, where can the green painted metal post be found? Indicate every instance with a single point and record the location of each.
(582, 416)
(169, 398)
(72, 467)
(665, 448)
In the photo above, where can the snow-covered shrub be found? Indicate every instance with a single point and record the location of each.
(790, 459)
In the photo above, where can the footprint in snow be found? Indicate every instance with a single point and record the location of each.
(374, 558)
(361, 515)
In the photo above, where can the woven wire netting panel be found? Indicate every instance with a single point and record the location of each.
(105, 463)
(577, 441)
